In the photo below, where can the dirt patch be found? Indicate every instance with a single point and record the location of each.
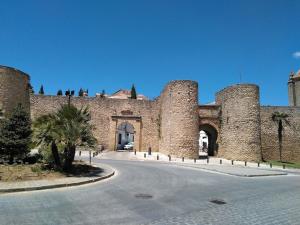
(39, 171)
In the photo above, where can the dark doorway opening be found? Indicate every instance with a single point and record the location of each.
(208, 140)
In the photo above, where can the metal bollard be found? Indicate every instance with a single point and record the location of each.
(231, 162)
(134, 152)
(207, 160)
(182, 159)
(79, 153)
(258, 164)
(169, 157)
(245, 163)
(144, 155)
(283, 166)
(90, 156)
(220, 161)
(157, 157)
(194, 160)
(270, 165)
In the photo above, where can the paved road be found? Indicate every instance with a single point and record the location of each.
(179, 196)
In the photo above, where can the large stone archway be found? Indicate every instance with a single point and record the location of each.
(117, 121)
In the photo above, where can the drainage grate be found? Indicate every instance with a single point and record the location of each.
(218, 201)
(143, 196)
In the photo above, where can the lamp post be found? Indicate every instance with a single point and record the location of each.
(69, 94)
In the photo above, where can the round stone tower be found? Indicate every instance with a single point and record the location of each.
(240, 122)
(179, 119)
(14, 89)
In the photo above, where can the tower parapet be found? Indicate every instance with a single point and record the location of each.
(14, 89)
(294, 89)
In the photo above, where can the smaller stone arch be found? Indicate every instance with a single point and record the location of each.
(210, 145)
(116, 121)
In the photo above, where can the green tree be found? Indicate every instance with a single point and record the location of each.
(59, 92)
(69, 127)
(45, 136)
(41, 91)
(280, 118)
(15, 134)
(80, 93)
(102, 95)
(68, 92)
(133, 92)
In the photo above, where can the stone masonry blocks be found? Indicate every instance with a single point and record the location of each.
(179, 119)
(240, 122)
(14, 89)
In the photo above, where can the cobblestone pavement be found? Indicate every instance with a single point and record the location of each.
(154, 193)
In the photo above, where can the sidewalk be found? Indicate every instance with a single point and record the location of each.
(218, 165)
(106, 172)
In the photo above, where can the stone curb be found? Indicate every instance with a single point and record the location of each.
(178, 163)
(279, 173)
(45, 187)
(235, 174)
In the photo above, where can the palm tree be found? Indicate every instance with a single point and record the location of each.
(279, 118)
(68, 127)
(45, 134)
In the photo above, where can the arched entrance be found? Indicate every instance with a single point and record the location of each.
(125, 135)
(208, 136)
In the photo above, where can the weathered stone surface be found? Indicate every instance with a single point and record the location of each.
(240, 122)
(106, 115)
(13, 89)
(290, 137)
(179, 119)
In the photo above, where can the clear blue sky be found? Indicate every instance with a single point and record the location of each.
(112, 44)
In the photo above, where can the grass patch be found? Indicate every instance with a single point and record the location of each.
(295, 165)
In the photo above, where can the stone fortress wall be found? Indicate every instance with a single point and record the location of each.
(170, 124)
(14, 89)
(291, 134)
(107, 114)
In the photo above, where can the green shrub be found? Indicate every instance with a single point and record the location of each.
(15, 134)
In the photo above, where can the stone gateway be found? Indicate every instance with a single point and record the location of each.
(237, 126)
